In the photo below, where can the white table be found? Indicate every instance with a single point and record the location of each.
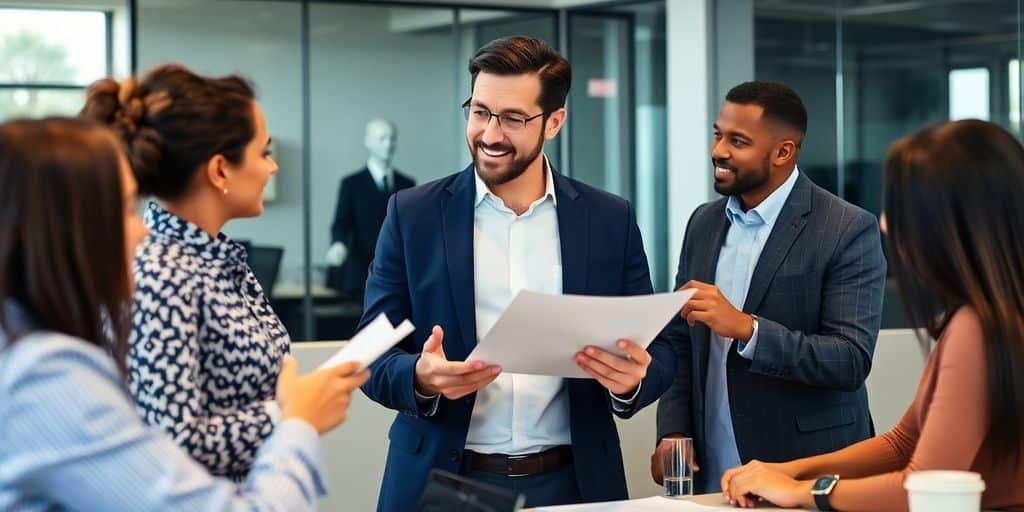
(711, 500)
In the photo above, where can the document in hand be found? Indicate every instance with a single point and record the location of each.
(370, 343)
(540, 334)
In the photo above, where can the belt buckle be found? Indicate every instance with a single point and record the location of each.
(508, 465)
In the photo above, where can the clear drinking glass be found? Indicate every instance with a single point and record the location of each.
(678, 467)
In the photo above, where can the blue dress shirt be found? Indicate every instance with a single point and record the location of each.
(70, 438)
(748, 231)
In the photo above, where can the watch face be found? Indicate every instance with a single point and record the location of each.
(823, 483)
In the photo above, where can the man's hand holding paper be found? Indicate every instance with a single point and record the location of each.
(619, 374)
(542, 334)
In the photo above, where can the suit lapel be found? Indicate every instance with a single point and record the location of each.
(572, 234)
(788, 226)
(458, 243)
(705, 267)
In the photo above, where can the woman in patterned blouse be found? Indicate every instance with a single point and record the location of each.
(206, 346)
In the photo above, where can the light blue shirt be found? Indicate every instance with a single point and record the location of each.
(70, 438)
(747, 233)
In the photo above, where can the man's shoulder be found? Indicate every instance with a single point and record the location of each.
(708, 213)
(427, 194)
(597, 198)
(835, 211)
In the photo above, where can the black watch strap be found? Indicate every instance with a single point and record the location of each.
(821, 501)
(823, 488)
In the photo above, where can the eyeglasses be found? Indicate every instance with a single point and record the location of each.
(509, 122)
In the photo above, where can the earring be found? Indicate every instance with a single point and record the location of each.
(225, 190)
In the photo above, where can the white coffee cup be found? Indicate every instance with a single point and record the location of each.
(944, 491)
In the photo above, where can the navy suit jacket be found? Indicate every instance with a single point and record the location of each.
(423, 271)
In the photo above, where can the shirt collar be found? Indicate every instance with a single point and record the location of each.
(164, 223)
(482, 190)
(769, 209)
(378, 172)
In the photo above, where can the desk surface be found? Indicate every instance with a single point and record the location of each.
(710, 500)
(717, 500)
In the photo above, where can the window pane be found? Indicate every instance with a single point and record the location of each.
(968, 94)
(64, 47)
(795, 44)
(16, 103)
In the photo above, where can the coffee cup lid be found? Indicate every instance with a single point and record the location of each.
(944, 481)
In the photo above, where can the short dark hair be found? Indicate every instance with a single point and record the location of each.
(518, 55)
(172, 121)
(62, 247)
(780, 103)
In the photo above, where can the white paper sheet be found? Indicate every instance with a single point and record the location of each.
(652, 504)
(371, 342)
(540, 334)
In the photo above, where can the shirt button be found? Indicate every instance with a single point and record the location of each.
(454, 455)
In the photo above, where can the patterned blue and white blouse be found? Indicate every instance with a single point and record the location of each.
(206, 347)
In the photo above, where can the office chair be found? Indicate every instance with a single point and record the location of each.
(265, 262)
(448, 492)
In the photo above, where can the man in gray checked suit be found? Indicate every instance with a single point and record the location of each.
(775, 346)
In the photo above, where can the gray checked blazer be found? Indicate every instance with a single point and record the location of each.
(817, 292)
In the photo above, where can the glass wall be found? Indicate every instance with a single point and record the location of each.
(325, 70)
(897, 67)
(367, 62)
(618, 122)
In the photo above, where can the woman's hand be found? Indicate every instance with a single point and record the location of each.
(320, 398)
(757, 481)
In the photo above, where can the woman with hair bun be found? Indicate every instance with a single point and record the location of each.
(206, 346)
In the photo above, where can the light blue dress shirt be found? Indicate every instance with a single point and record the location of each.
(747, 233)
(70, 438)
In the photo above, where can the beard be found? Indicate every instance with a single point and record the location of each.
(744, 180)
(495, 175)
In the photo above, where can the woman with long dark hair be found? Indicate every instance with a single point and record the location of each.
(70, 436)
(955, 230)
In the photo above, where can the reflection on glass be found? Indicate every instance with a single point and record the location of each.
(968, 94)
(52, 46)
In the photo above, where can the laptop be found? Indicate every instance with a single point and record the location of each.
(448, 492)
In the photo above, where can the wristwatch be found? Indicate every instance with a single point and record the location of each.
(822, 489)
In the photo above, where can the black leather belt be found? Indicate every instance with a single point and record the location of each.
(546, 461)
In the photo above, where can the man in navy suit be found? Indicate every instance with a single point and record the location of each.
(451, 256)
